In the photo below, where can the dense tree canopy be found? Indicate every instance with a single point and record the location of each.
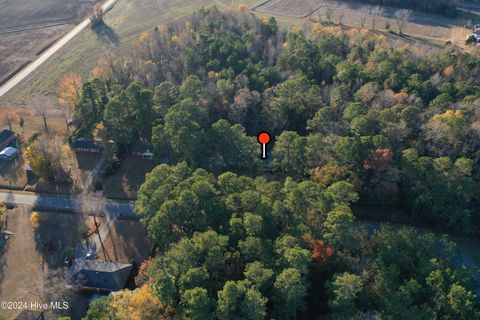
(349, 107)
(236, 247)
(354, 119)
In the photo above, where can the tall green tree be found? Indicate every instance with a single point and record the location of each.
(294, 102)
(290, 290)
(289, 154)
(196, 304)
(238, 301)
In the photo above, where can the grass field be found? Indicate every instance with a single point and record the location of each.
(128, 19)
(20, 264)
(423, 26)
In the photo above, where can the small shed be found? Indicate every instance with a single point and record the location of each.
(6, 137)
(8, 153)
(86, 146)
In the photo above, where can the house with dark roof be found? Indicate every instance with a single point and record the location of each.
(86, 145)
(6, 137)
(99, 275)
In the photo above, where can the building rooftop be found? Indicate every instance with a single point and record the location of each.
(5, 135)
(8, 152)
(85, 144)
(100, 274)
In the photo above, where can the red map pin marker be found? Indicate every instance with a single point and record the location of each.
(264, 138)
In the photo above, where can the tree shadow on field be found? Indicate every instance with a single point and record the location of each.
(4, 243)
(106, 33)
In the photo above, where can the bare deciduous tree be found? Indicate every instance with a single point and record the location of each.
(375, 14)
(9, 120)
(329, 11)
(340, 12)
(364, 13)
(96, 18)
(42, 110)
(403, 16)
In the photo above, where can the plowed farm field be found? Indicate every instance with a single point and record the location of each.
(294, 8)
(28, 27)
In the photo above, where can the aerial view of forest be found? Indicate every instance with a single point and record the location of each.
(355, 120)
(153, 198)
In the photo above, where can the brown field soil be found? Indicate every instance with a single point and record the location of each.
(125, 183)
(18, 48)
(23, 14)
(125, 241)
(28, 27)
(294, 8)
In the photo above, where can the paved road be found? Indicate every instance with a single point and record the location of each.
(57, 202)
(50, 52)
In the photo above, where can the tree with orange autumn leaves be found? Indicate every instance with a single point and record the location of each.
(320, 251)
(69, 89)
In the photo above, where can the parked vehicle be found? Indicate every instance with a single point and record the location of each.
(90, 256)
